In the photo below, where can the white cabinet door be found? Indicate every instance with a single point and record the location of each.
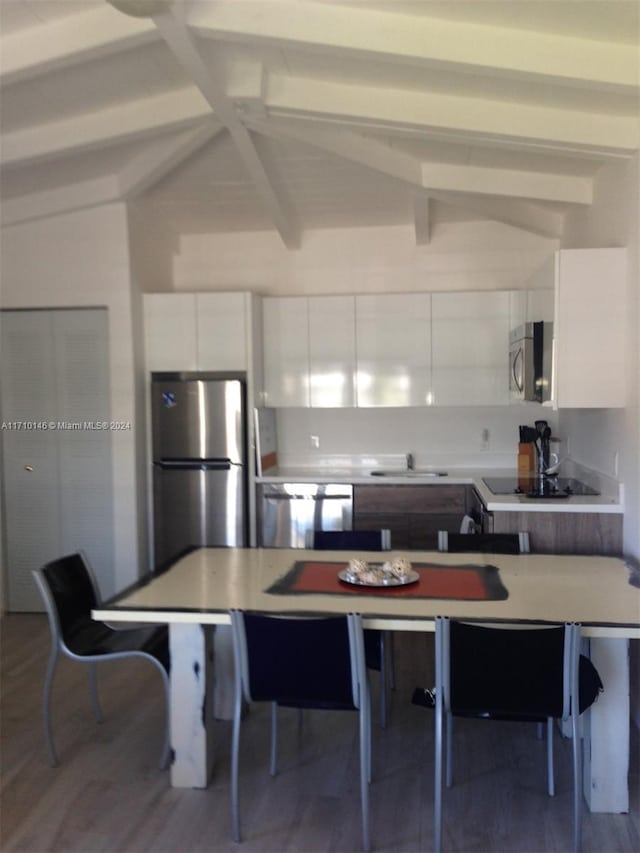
(393, 343)
(170, 331)
(589, 329)
(57, 462)
(286, 351)
(221, 331)
(196, 331)
(331, 351)
(470, 348)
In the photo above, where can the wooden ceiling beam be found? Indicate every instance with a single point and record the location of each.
(79, 196)
(162, 157)
(546, 127)
(134, 120)
(181, 43)
(422, 219)
(511, 210)
(525, 215)
(70, 41)
(430, 175)
(422, 41)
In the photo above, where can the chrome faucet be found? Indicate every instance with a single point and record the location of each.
(410, 462)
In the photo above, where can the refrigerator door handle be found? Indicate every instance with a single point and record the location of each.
(195, 464)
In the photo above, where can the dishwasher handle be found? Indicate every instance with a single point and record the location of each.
(290, 497)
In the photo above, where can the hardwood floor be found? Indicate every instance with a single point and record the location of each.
(108, 794)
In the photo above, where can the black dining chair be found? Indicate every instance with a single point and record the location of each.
(70, 592)
(379, 649)
(494, 672)
(301, 662)
(496, 543)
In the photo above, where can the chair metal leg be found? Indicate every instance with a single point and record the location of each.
(575, 738)
(439, 714)
(551, 785)
(365, 769)
(383, 682)
(46, 705)
(93, 687)
(235, 749)
(448, 733)
(273, 758)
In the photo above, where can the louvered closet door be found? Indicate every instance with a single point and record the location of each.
(84, 452)
(30, 454)
(57, 482)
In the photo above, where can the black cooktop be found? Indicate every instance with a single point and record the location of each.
(533, 487)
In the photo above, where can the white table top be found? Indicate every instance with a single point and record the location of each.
(204, 585)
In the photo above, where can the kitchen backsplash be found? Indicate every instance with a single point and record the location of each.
(461, 436)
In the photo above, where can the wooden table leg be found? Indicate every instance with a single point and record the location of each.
(191, 704)
(606, 730)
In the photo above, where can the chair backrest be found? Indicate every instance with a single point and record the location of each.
(496, 543)
(526, 673)
(300, 661)
(505, 673)
(348, 540)
(69, 592)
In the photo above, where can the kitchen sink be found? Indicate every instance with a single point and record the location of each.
(408, 472)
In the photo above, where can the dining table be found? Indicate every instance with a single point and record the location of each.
(195, 595)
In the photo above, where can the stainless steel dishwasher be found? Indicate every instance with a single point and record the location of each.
(287, 510)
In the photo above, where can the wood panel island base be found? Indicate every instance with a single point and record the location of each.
(565, 532)
(198, 591)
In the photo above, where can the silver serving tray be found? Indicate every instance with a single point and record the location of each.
(388, 580)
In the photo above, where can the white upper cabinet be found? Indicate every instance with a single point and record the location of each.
(196, 331)
(170, 334)
(286, 351)
(589, 328)
(309, 351)
(221, 331)
(332, 351)
(393, 342)
(470, 345)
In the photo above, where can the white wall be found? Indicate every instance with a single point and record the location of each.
(82, 259)
(460, 256)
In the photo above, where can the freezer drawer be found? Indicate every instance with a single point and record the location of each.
(287, 510)
(197, 507)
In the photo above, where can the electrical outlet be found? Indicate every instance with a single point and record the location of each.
(314, 441)
(484, 439)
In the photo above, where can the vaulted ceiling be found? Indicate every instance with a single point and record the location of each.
(231, 115)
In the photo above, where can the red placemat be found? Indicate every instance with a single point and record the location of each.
(467, 582)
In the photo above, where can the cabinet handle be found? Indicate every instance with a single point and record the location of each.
(28, 468)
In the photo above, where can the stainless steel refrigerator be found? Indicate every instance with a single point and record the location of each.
(199, 463)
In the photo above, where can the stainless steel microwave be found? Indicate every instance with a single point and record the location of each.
(530, 353)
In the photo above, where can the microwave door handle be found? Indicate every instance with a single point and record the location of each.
(518, 378)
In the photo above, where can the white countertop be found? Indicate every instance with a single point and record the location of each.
(607, 502)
